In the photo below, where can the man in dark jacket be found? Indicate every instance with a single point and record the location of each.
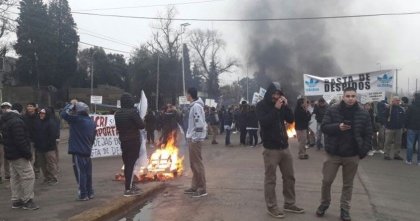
(129, 124)
(213, 124)
(81, 139)
(412, 124)
(302, 118)
(348, 138)
(319, 111)
(150, 122)
(395, 116)
(272, 112)
(29, 118)
(18, 152)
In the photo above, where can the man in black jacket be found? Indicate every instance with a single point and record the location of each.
(348, 138)
(18, 152)
(272, 111)
(412, 124)
(319, 111)
(129, 123)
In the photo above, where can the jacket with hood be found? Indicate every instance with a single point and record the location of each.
(273, 129)
(15, 137)
(127, 120)
(302, 118)
(354, 142)
(82, 129)
(395, 117)
(30, 124)
(45, 133)
(412, 121)
(197, 126)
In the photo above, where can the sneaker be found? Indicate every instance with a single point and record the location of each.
(190, 191)
(293, 209)
(408, 162)
(371, 153)
(17, 204)
(82, 198)
(199, 193)
(380, 151)
(52, 182)
(275, 213)
(135, 188)
(30, 205)
(129, 193)
(91, 196)
(345, 215)
(321, 210)
(397, 157)
(214, 142)
(387, 158)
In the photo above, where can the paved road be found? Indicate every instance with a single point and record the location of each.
(383, 190)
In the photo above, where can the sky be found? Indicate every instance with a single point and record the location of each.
(357, 44)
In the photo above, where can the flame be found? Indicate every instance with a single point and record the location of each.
(291, 132)
(164, 163)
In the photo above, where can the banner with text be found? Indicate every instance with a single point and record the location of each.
(107, 142)
(377, 81)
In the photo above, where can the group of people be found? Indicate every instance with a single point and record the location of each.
(28, 145)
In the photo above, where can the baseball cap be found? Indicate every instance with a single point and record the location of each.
(6, 104)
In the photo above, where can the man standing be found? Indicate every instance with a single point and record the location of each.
(319, 112)
(29, 118)
(81, 139)
(348, 138)
(129, 124)
(412, 123)
(18, 152)
(272, 111)
(395, 116)
(195, 135)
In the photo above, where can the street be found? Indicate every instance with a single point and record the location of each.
(383, 190)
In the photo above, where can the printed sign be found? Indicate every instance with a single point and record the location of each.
(377, 81)
(262, 92)
(106, 142)
(95, 99)
(183, 100)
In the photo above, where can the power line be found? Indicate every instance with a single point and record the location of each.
(126, 52)
(149, 6)
(105, 36)
(251, 19)
(106, 39)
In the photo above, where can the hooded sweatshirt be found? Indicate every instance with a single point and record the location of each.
(273, 129)
(197, 121)
(412, 121)
(45, 133)
(15, 137)
(127, 120)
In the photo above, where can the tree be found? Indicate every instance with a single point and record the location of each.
(33, 43)
(64, 42)
(207, 46)
(6, 23)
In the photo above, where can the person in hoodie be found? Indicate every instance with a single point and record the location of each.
(348, 138)
(228, 120)
(18, 153)
(196, 133)
(412, 123)
(129, 124)
(302, 118)
(30, 116)
(272, 112)
(252, 126)
(45, 145)
(395, 119)
(81, 139)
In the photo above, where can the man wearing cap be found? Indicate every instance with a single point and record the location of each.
(81, 139)
(272, 112)
(18, 152)
(395, 119)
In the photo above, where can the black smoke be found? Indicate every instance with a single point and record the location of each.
(284, 50)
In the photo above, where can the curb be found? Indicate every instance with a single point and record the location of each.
(116, 206)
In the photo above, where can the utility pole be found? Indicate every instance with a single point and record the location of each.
(247, 84)
(396, 80)
(183, 25)
(416, 85)
(157, 86)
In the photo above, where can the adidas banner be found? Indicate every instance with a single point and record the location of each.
(377, 81)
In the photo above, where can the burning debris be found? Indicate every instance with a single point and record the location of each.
(291, 132)
(165, 163)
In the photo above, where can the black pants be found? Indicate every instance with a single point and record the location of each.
(243, 136)
(253, 137)
(130, 153)
(151, 135)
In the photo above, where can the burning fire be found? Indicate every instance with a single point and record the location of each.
(164, 163)
(291, 132)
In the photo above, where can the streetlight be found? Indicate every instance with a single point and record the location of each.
(183, 26)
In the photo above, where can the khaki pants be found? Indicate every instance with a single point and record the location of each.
(393, 142)
(196, 162)
(4, 163)
(272, 160)
(381, 137)
(329, 172)
(34, 160)
(22, 179)
(214, 131)
(48, 163)
(301, 137)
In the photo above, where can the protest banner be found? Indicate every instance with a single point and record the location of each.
(106, 142)
(377, 81)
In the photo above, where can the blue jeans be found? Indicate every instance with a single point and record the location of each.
(412, 135)
(227, 139)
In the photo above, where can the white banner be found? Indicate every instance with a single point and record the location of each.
(95, 99)
(106, 142)
(377, 81)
